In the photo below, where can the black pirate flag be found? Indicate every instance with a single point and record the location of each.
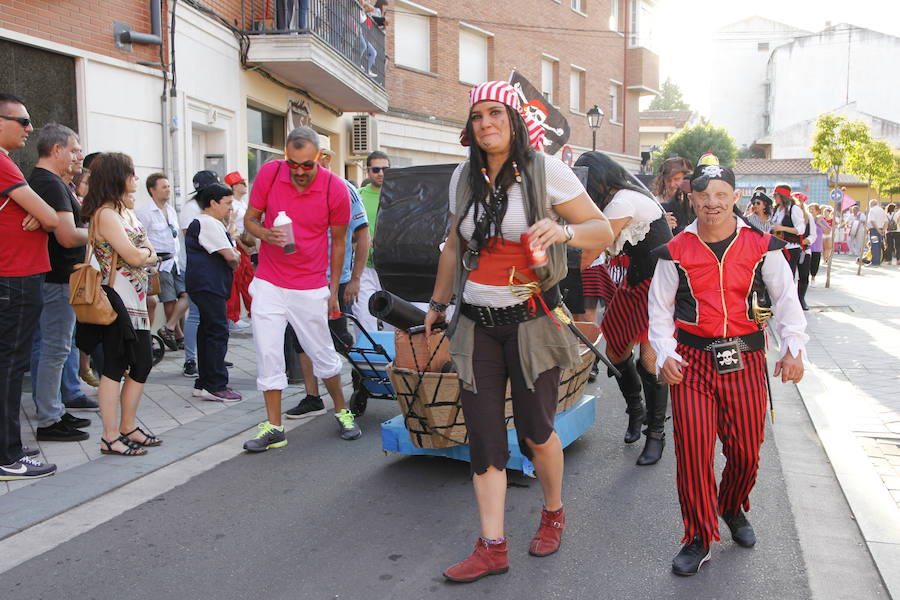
(556, 127)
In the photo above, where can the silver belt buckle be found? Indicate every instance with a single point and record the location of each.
(727, 356)
(487, 317)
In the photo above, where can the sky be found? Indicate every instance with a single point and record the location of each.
(682, 30)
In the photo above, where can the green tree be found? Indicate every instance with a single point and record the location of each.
(889, 184)
(872, 161)
(835, 138)
(834, 142)
(669, 98)
(692, 142)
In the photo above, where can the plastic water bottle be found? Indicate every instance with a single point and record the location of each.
(284, 223)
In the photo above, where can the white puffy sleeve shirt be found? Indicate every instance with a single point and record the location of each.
(788, 318)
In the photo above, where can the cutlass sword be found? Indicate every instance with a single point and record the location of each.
(563, 318)
(761, 314)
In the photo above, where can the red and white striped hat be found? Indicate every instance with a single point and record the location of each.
(503, 92)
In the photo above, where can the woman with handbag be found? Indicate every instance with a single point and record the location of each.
(504, 258)
(123, 252)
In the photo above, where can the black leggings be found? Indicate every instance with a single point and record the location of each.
(815, 259)
(892, 246)
(803, 271)
(114, 364)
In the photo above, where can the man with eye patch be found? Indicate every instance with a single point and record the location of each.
(377, 163)
(710, 349)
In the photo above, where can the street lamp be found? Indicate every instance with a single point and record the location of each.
(594, 117)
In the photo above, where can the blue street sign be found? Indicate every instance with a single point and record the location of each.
(836, 195)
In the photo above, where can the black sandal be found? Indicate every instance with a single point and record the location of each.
(150, 440)
(133, 448)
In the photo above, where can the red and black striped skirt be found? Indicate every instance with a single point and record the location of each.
(626, 321)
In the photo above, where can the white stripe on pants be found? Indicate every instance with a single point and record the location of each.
(307, 312)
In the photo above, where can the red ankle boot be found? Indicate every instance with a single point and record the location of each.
(487, 559)
(547, 539)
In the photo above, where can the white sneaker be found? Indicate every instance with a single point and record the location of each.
(197, 393)
(238, 327)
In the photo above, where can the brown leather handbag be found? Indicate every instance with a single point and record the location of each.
(153, 283)
(87, 297)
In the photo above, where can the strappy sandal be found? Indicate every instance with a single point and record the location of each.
(132, 448)
(150, 440)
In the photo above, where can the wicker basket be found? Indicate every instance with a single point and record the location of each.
(430, 404)
(420, 353)
(571, 383)
(430, 401)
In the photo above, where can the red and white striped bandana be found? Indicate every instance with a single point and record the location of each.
(503, 92)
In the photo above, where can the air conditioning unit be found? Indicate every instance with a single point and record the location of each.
(364, 136)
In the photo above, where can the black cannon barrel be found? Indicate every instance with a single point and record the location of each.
(395, 311)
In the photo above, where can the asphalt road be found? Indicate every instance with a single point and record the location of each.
(326, 519)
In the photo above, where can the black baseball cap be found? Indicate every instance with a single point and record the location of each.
(203, 179)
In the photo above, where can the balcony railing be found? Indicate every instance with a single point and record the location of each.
(341, 24)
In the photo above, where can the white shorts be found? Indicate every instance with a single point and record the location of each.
(307, 312)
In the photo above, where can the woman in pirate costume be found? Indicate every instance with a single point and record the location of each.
(505, 326)
(788, 224)
(639, 225)
(667, 187)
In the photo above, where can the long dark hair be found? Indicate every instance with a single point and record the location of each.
(671, 166)
(605, 175)
(520, 152)
(785, 202)
(109, 172)
(767, 203)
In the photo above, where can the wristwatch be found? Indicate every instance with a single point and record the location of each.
(570, 233)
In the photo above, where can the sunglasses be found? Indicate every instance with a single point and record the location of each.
(23, 121)
(305, 165)
(378, 170)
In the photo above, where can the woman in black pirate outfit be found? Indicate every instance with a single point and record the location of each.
(505, 326)
(639, 226)
(667, 187)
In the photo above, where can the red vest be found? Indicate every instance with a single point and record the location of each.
(713, 298)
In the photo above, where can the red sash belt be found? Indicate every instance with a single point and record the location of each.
(496, 260)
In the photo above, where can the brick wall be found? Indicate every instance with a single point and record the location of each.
(84, 24)
(520, 38)
(88, 24)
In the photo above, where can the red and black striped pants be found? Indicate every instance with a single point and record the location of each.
(704, 405)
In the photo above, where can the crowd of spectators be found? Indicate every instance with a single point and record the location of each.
(217, 252)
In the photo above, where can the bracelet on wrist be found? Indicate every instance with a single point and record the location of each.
(439, 307)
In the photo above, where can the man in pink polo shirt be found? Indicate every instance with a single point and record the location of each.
(292, 288)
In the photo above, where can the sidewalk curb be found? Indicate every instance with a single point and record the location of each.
(51, 496)
(873, 507)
